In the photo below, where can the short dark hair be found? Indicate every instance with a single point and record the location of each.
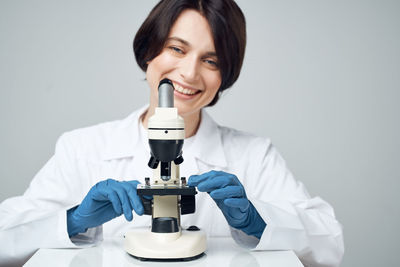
(227, 24)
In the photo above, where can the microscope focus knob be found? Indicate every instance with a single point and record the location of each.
(188, 204)
(147, 205)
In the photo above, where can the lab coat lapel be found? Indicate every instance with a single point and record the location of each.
(124, 138)
(189, 166)
(123, 157)
(207, 146)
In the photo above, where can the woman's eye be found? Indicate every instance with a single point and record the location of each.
(211, 62)
(176, 49)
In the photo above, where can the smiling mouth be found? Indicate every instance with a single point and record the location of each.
(184, 90)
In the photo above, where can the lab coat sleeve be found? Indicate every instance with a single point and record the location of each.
(37, 219)
(295, 221)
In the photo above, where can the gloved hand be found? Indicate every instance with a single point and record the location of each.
(229, 194)
(105, 201)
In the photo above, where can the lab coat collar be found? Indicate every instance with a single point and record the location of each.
(207, 144)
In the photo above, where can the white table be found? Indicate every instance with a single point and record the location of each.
(220, 252)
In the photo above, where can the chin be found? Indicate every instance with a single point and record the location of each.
(185, 110)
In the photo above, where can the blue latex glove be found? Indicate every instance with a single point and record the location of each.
(229, 194)
(105, 201)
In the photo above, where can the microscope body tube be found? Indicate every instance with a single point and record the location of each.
(166, 94)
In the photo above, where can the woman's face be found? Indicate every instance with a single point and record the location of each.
(189, 60)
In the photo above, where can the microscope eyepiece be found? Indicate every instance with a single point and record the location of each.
(165, 81)
(165, 94)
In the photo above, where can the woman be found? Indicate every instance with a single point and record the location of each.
(198, 45)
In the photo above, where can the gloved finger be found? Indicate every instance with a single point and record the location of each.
(241, 203)
(135, 201)
(123, 196)
(103, 191)
(115, 201)
(194, 180)
(228, 192)
(148, 197)
(215, 183)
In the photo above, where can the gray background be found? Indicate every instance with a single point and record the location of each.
(321, 78)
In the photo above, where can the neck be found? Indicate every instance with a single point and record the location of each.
(192, 121)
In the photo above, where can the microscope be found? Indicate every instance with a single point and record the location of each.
(168, 197)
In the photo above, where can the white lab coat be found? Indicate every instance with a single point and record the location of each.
(119, 150)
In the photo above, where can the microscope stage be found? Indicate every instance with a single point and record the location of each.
(165, 190)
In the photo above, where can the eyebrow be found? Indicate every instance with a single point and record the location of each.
(184, 42)
(179, 40)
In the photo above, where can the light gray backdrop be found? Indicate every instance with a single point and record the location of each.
(321, 78)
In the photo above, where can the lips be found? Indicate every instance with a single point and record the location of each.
(185, 90)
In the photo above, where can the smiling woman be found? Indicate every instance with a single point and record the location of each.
(199, 47)
(189, 60)
(223, 22)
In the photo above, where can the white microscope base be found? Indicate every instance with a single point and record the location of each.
(144, 244)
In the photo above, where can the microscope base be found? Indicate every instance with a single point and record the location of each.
(146, 245)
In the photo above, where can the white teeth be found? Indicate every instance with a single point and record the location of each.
(184, 90)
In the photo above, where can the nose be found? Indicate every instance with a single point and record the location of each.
(189, 69)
